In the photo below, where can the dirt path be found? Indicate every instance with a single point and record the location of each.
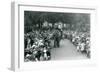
(66, 51)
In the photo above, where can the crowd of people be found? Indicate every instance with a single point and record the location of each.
(80, 39)
(38, 44)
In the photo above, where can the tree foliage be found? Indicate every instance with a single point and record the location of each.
(76, 20)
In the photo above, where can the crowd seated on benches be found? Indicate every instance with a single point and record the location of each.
(80, 39)
(38, 43)
(37, 46)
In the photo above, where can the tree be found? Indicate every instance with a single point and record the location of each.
(76, 20)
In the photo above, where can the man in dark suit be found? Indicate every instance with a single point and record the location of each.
(57, 37)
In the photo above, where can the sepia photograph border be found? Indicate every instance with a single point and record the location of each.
(17, 60)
